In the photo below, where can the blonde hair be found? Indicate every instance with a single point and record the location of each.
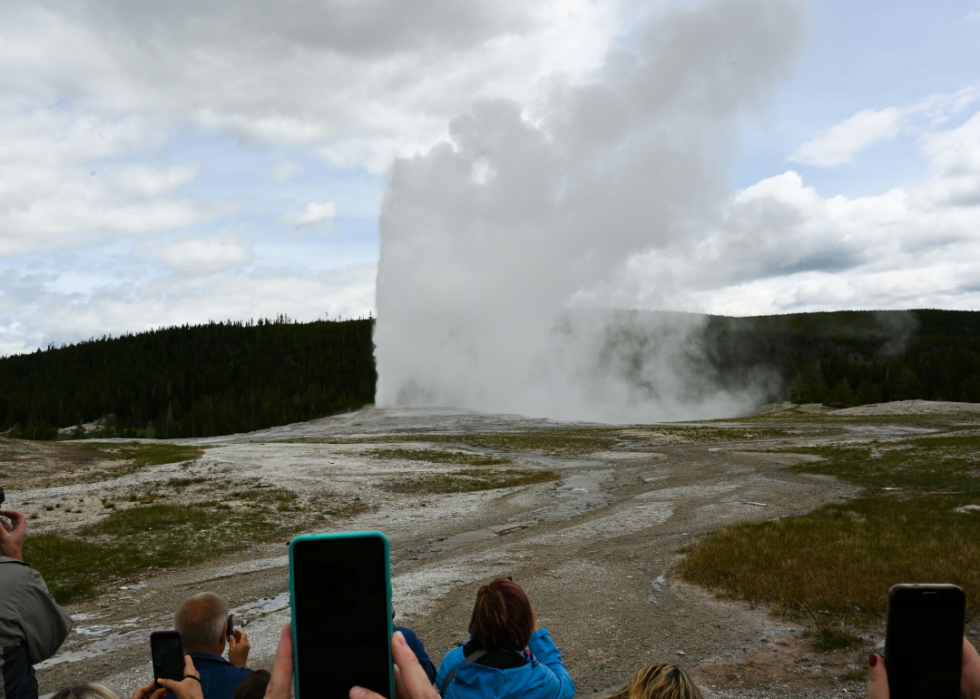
(659, 681)
(86, 690)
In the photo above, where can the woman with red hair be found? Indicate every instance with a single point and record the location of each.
(507, 655)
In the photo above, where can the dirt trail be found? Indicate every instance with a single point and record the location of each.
(594, 551)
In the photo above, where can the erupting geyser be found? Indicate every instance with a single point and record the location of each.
(491, 240)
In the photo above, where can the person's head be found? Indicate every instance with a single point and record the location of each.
(659, 681)
(253, 686)
(85, 690)
(502, 617)
(201, 620)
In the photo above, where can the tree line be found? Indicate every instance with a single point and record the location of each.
(227, 377)
(192, 380)
(849, 358)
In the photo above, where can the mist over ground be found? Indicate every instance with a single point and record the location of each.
(490, 239)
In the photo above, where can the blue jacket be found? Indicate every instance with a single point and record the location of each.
(418, 648)
(219, 678)
(545, 677)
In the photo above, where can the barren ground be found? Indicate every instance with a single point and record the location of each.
(594, 550)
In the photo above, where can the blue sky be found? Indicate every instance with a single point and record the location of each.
(167, 168)
(861, 55)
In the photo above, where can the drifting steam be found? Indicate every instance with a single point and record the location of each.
(488, 240)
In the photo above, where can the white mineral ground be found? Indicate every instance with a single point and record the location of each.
(595, 550)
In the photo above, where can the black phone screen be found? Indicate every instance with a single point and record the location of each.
(342, 612)
(168, 655)
(924, 642)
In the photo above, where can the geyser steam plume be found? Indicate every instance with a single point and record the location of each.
(490, 239)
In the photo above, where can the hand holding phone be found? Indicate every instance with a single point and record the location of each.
(969, 675)
(924, 641)
(238, 648)
(411, 680)
(188, 688)
(340, 594)
(167, 649)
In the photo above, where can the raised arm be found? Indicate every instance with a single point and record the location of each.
(547, 653)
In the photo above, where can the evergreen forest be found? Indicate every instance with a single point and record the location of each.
(848, 358)
(222, 378)
(191, 381)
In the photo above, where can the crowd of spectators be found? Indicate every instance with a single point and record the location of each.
(505, 656)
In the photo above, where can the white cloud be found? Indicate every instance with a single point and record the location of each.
(151, 182)
(955, 156)
(60, 185)
(304, 73)
(285, 171)
(196, 255)
(840, 143)
(779, 246)
(313, 215)
(374, 154)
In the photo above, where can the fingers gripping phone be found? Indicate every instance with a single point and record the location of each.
(924, 641)
(340, 595)
(167, 649)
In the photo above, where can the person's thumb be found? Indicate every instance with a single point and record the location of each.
(169, 685)
(410, 680)
(281, 681)
(877, 678)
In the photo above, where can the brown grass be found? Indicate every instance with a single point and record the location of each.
(437, 457)
(842, 559)
(472, 480)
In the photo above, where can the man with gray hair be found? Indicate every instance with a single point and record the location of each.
(202, 620)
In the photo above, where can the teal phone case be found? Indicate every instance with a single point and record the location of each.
(292, 593)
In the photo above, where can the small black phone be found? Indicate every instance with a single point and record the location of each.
(924, 641)
(340, 589)
(230, 628)
(167, 649)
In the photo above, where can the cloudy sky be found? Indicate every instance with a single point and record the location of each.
(177, 162)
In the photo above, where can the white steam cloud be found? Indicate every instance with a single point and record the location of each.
(488, 240)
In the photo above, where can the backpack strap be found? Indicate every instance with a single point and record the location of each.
(471, 658)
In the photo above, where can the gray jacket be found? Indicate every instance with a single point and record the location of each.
(32, 627)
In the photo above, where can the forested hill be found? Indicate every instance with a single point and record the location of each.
(849, 358)
(222, 378)
(192, 381)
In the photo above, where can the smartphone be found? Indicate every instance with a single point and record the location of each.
(230, 628)
(167, 649)
(924, 641)
(340, 596)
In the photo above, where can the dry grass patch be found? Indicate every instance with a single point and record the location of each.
(144, 534)
(471, 481)
(835, 565)
(842, 559)
(929, 464)
(708, 434)
(552, 442)
(142, 538)
(437, 457)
